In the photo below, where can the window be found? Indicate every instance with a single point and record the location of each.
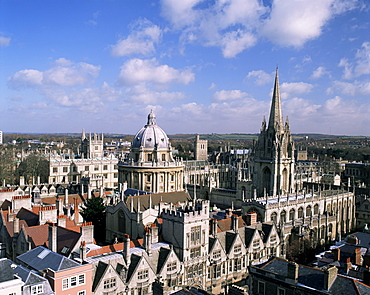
(195, 252)
(195, 234)
(110, 283)
(96, 147)
(115, 175)
(150, 157)
(273, 239)
(81, 279)
(171, 266)
(82, 292)
(237, 249)
(217, 254)
(163, 157)
(96, 168)
(172, 177)
(87, 168)
(142, 274)
(148, 177)
(105, 167)
(256, 243)
(73, 281)
(55, 170)
(37, 289)
(65, 169)
(281, 291)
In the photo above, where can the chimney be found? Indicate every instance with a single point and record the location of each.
(347, 265)
(76, 210)
(336, 253)
(154, 233)
(66, 196)
(213, 227)
(16, 225)
(228, 213)
(83, 251)
(21, 180)
(52, 238)
(366, 276)
(251, 218)
(358, 256)
(38, 180)
(126, 248)
(62, 220)
(87, 232)
(293, 271)
(59, 205)
(234, 222)
(330, 275)
(88, 191)
(147, 240)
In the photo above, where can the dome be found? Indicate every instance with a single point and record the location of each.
(151, 136)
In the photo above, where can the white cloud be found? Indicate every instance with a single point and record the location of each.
(319, 72)
(260, 77)
(235, 25)
(66, 73)
(224, 95)
(25, 78)
(360, 64)
(287, 89)
(137, 71)
(213, 86)
(294, 22)
(352, 89)
(4, 41)
(142, 40)
(140, 95)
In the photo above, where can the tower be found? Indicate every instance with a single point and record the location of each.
(92, 147)
(272, 158)
(201, 147)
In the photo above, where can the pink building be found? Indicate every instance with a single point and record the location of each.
(65, 275)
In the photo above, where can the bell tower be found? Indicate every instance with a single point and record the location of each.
(272, 158)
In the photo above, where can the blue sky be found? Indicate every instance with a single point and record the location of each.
(202, 66)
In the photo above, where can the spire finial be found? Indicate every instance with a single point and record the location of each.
(151, 118)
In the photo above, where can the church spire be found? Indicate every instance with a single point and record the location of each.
(276, 113)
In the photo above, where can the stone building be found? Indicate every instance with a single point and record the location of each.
(200, 149)
(151, 166)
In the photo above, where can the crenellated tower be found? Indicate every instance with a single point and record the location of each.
(272, 158)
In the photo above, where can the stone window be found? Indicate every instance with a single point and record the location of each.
(261, 288)
(55, 169)
(143, 274)
(217, 254)
(150, 157)
(105, 167)
(37, 289)
(87, 168)
(195, 252)
(65, 169)
(110, 283)
(163, 157)
(195, 235)
(291, 214)
(171, 266)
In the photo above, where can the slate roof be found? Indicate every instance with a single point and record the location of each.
(99, 274)
(170, 197)
(41, 258)
(314, 278)
(6, 272)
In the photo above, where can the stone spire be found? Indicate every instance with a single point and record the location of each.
(151, 118)
(276, 116)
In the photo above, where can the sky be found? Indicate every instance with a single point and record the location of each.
(202, 66)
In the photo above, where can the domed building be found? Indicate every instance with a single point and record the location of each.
(150, 166)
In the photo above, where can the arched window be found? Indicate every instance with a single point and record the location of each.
(330, 228)
(274, 217)
(316, 209)
(267, 179)
(300, 212)
(283, 216)
(328, 208)
(291, 214)
(308, 211)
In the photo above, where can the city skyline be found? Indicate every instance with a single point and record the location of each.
(202, 66)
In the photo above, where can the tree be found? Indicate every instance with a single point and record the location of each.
(94, 211)
(32, 167)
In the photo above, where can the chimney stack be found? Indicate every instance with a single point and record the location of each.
(234, 222)
(358, 257)
(52, 238)
(83, 251)
(126, 248)
(147, 240)
(213, 227)
(336, 253)
(251, 218)
(330, 275)
(76, 210)
(293, 271)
